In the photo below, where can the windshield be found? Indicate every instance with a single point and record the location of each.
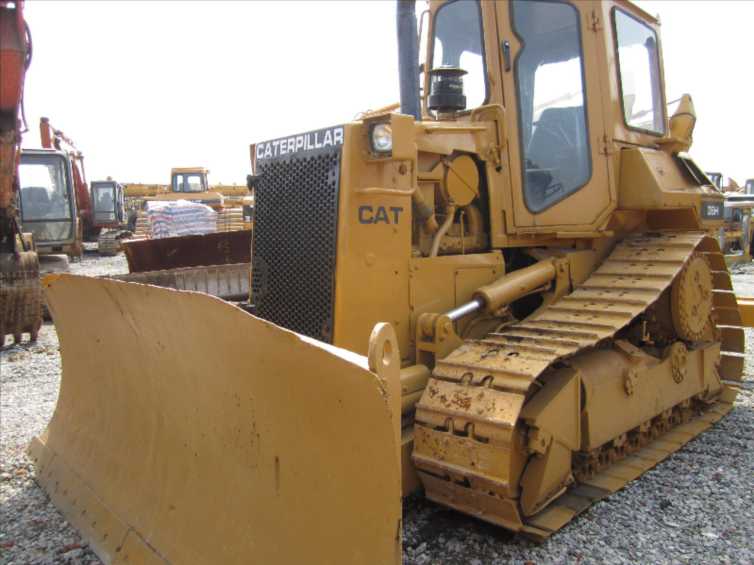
(45, 192)
(639, 71)
(188, 182)
(552, 116)
(104, 197)
(458, 43)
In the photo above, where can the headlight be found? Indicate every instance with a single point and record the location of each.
(382, 138)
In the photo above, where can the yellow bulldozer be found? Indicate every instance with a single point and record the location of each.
(504, 295)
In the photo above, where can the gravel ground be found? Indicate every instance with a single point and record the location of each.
(695, 507)
(93, 264)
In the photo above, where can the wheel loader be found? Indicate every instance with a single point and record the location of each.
(503, 295)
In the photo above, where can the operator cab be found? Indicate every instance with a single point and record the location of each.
(575, 115)
(108, 202)
(189, 180)
(47, 204)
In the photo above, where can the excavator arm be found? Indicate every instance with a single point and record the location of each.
(15, 55)
(20, 293)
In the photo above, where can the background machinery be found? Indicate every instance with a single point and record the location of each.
(190, 183)
(53, 138)
(134, 194)
(96, 211)
(216, 262)
(20, 293)
(736, 235)
(716, 178)
(109, 215)
(506, 295)
(48, 203)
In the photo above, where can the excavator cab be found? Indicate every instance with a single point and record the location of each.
(108, 203)
(47, 202)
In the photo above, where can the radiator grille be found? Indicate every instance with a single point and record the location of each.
(294, 242)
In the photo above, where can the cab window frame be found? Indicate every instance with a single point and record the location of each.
(67, 178)
(430, 59)
(660, 74)
(96, 187)
(184, 176)
(519, 120)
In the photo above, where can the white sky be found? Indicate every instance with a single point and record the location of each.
(145, 86)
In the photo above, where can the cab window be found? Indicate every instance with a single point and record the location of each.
(104, 200)
(551, 102)
(639, 73)
(458, 43)
(188, 182)
(45, 193)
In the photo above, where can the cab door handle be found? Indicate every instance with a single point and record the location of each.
(506, 47)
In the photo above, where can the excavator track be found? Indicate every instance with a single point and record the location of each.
(470, 423)
(109, 242)
(20, 295)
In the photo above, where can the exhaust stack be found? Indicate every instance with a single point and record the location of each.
(408, 58)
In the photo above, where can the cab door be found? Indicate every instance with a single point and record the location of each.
(551, 69)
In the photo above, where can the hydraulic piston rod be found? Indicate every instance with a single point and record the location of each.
(465, 309)
(507, 289)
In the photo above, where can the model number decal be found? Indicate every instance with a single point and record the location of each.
(379, 214)
(712, 210)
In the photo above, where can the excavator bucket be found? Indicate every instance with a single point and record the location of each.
(188, 431)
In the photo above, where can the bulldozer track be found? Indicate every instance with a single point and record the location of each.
(652, 442)
(506, 365)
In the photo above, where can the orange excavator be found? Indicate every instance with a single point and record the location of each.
(53, 138)
(20, 292)
(56, 175)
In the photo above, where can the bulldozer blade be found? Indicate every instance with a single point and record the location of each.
(188, 431)
(229, 282)
(220, 248)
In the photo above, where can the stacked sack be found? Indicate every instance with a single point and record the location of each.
(180, 217)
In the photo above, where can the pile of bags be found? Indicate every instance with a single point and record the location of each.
(180, 217)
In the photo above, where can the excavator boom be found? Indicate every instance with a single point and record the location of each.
(20, 293)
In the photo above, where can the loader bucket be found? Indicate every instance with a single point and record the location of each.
(188, 431)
